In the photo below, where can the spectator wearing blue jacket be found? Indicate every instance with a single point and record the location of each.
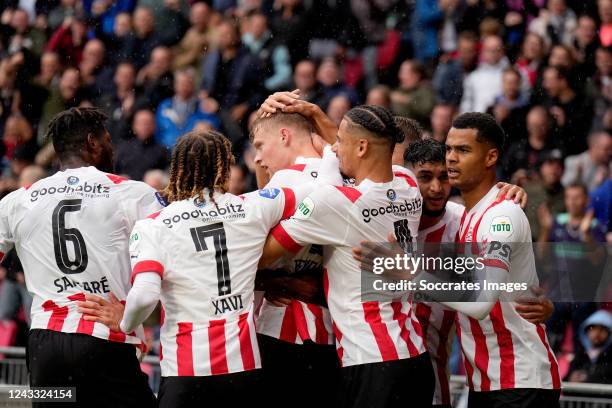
(183, 112)
(426, 21)
(601, 202)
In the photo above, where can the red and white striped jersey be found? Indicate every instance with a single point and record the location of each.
(71, 233)
(438, 321)
(405, 173)
(299, 321)
(340, 218)
(504, 351)
(207, 253)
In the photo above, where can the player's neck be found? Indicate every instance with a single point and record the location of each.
(306, 151)
(473, 196)
(427, 221)
(374, 171)
(73, 162)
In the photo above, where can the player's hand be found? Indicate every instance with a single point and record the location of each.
(304, 288)
(512, 192)
(278, 100)
(304, 108)
(368, 251)
(277, 300)
(108, 312)
(536, 309)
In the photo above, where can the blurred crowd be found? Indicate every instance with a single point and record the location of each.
(160, 68)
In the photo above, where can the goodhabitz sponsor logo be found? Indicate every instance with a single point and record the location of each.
(86, 188)
(411, 207)
(226, 212)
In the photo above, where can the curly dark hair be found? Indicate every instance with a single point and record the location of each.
(200, 160)
(68, 130)
(425, 151)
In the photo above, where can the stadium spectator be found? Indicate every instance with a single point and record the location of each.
(482, 85)
(290, 23)
(426, 21)
(379, 95)
(449, 76)
(577, 226)
(140, 46)
(170, 23)
(562, 56)
(50, 70)
(25, 36)
(332, 84)
(305, 79)
(556, 23)
(182, 112)
(414, 98)
(441, 121)
(531, 59)
(592, 166)
(96, 78)
(599, 87)
(525, 154)
(510, 108)
(585, 44)
(156, 77)
(56, 17)
(118, 42)
(191, 48)
(143, 145)
(601, 201)
(594, 363)
(371, 19)
(337, 108)
(68, 40)
(545, 190)
(232, 75)
(67, 94)
(18, 134)
(13, 291)
(273, 55)
(570, 111)
(605, 15)
(120, 103)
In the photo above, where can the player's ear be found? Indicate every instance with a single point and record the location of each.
(285, 136)
(92, 143)
(363, 146)
(492, 157)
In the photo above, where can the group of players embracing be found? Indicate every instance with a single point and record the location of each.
(261, 293)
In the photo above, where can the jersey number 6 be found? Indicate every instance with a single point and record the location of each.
(61, 235)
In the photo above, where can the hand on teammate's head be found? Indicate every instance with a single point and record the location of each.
(278, 100)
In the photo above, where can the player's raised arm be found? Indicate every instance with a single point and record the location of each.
(289, 102)
(319, 219)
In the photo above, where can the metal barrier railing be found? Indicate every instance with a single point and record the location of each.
(13, 373)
